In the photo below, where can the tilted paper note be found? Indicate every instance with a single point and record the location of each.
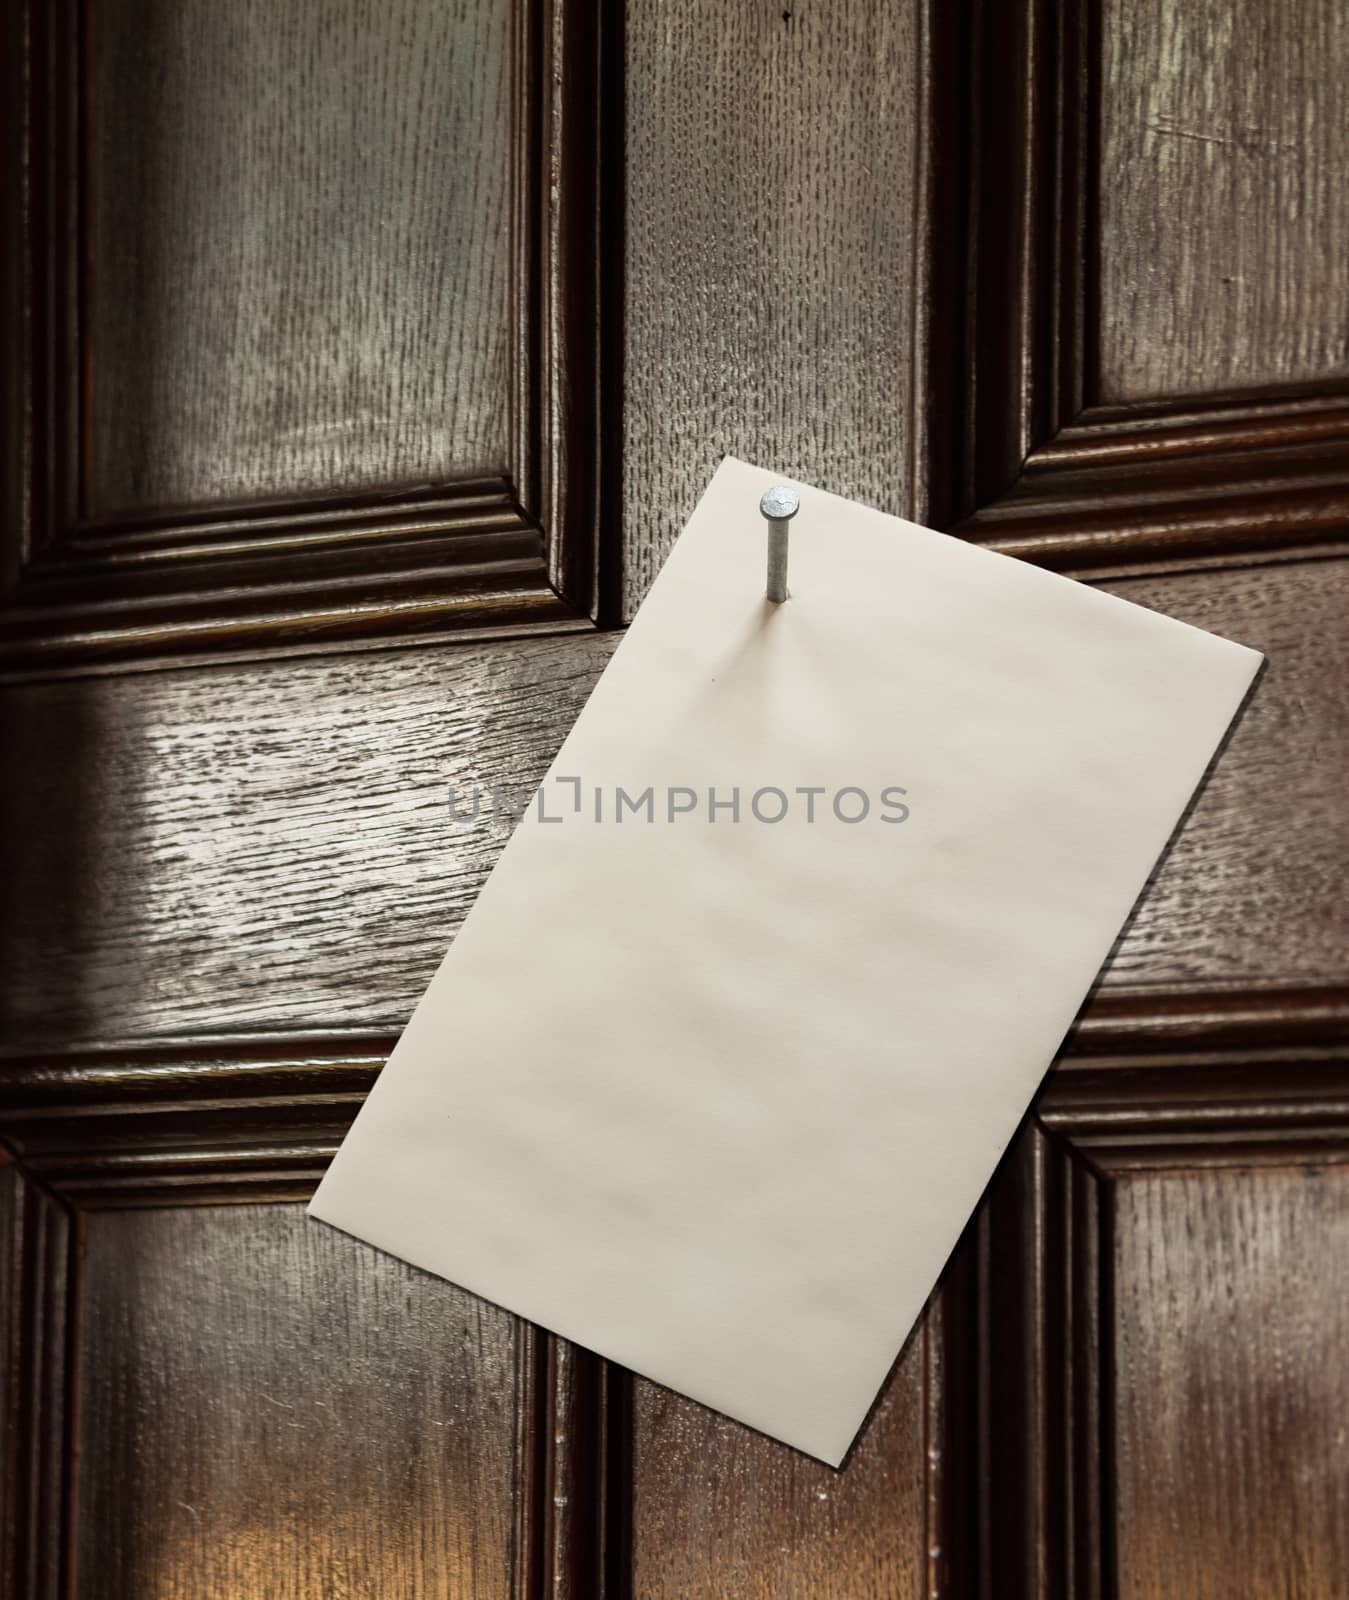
(715, 1072)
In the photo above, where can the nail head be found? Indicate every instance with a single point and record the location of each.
(780, 504)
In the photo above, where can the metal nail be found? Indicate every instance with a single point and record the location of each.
(779, 506)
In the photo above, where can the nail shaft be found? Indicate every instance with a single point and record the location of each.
(777, 559)
(778, 506)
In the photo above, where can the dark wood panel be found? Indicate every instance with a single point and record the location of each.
(241, 846)
(270, 1407)
(336, 449)
(11, 1377)
(259, 846)
(723, 1513)
(1166, 487)
(287, 580)
(1041, 1512)
(1224, 135)
(1195, 469)
(1016, 115)
(1205, 1095)
(1244, 1080)
(300, 276)
(250, 847)
(775, 225)
(1249, 893)
(1214, 1078)
(1231, 1321)
(35, 1281)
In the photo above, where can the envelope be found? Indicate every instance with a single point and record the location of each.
(720, 1062)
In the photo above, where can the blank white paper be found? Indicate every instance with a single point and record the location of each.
(715, 1097)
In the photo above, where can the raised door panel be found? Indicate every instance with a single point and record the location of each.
(300, 275)
(1161, 1397)
(305, 324)
(267, 1406)
(1231, 1403)
(1158, 373)
(1223, 209)
(1244, 896)
(261, 850)
(252, 847)
(720, 1510)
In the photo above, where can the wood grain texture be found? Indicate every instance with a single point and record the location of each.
(271, 843)
(895, 251)
(1245, 465)
(308, 468)
(1180, 487)
(1231, 1320)
(1233, 1100)
(1226, 430)
(1195, 1078)
(1250, 892)
(271, 846)
(773, 230)
(1252, 1084)
(723, 1513)
(290, 579)
(270, 1407)
(1224, 134)
(302, 245)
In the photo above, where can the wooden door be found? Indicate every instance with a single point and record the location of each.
(361, 362)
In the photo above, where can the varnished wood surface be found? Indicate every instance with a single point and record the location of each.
(260, 799)
(719, 1510)
(1231, 1390)
(1179, 486)
(269, 1407)
(1224, 134)
(827, 254)
(36, 1253)
(266, 846)
(772, 260)
(1249, 893)
(312, 344)
(301, 247)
